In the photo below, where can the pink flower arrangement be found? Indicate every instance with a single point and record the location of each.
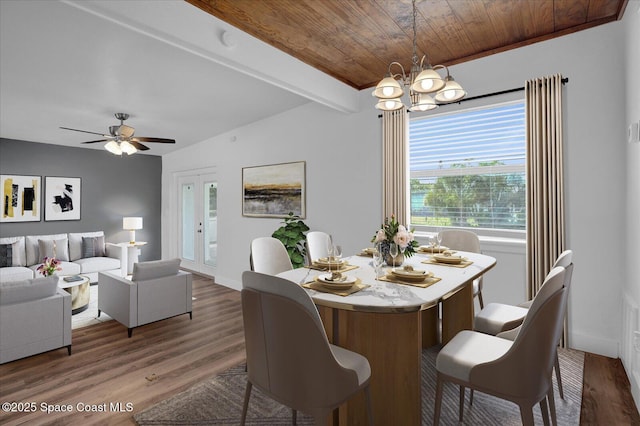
(49, 266)
(392, 232)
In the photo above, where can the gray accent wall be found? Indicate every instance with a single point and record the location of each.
(112, 187)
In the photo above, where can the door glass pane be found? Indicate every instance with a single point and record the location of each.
(210, 204)
(188, 221)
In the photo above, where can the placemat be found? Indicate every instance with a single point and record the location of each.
(317, 286)
(463, 264)
(425, 249)
(346, 267)
(431, 250)
(424, 284)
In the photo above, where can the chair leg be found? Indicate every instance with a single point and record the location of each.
(130, 332)
(294, 417)
(526, 414)
(471, 397)
(436, 410)
(480, 299)
(552, 405)
(367, 397)
(461, 404)
(545, 411)
(69, 349)
(556, 367)
(99, 312)
(245, 404)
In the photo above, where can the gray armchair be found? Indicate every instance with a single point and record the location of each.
(35, 317)
(156, 290)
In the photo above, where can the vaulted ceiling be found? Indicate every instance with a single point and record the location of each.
(355, 40)
(185, 74)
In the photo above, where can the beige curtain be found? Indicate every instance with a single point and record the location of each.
(395, 164)
(545, 182)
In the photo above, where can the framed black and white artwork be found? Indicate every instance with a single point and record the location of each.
(62, 198)
(20, 198)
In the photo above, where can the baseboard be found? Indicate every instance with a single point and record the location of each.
(596, 345)
(232, 284)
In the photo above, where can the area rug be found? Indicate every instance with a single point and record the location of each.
(218, 401)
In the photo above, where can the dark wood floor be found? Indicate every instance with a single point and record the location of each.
(169, 356)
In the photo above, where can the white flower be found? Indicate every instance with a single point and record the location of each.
(402, 238)
(401, 228)
(380, 236)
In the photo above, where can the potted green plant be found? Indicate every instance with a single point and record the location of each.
(292, 235)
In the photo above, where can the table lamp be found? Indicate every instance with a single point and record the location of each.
(131, 224)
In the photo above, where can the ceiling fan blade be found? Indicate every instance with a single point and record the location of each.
(138, 145)
(100, 140)
(85, 131)
(159, 140)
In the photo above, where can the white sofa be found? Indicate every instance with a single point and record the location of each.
(83, 253)
(35, 317)
(155, 291)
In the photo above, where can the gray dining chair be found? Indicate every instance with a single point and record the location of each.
(518, 371)
(289, 357)
(461, 239)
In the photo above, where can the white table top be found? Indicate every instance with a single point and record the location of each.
(384, 296)
(68, 284)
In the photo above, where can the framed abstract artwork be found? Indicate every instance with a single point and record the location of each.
(62, 198)
(20, 198)
(274, 190)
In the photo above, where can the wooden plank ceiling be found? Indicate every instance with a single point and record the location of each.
(355, 40)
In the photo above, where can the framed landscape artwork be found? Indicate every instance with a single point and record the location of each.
(274, 190)
(62, 198)
(20, 198)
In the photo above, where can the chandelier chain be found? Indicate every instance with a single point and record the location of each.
(415, 34)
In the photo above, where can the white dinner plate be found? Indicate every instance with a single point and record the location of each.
(343, 284)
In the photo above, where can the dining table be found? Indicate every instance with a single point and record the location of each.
(390, 321)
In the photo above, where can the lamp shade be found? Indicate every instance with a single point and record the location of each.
(127, 148)
(451, 92)
(113, 147)
(428, 81)
(131, 223)
(389, 104)
(424, 103)
(388, 88)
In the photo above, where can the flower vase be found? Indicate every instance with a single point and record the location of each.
(394, 261)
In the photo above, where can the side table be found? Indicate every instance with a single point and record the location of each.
(79, 291)
(133, 251)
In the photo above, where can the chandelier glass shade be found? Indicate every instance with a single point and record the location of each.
(422, 82)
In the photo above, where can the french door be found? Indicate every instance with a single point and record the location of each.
(198, 222)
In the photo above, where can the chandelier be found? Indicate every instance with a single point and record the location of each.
(422, 81)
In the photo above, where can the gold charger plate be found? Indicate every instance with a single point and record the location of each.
(431, 249)
(318, 286)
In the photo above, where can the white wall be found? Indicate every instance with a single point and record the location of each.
(343, 172)
(343, 158)
(631, 290)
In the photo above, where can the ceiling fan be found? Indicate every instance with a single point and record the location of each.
(120, 138)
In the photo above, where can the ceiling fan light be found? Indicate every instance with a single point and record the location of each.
(128, 148)
(451, 92)
(388, 88)
(424, 103)
(428, 81)
(113, 147)
(389, 104)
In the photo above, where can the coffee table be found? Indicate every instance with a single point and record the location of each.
(79, 291)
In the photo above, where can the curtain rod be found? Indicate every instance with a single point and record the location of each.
(487, 95)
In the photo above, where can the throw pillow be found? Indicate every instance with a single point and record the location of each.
(6, 255)
(92, 247)
(53, 248)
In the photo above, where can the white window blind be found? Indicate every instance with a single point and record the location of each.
(467, 168)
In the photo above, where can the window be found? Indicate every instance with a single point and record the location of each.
(467, 169)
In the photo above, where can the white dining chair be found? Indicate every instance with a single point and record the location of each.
(461, 239)
(518, 370)
(317, 243)
(269, 256)
(504, 320)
